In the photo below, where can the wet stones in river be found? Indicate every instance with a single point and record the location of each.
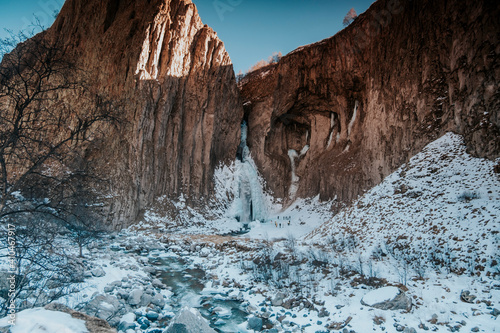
(143, 322)
(153, 316)
(255, 323)
(158, 284)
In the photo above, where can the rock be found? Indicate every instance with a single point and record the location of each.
(475, 329)
(205, 252)
(189, 320)
(93, 324)
(466, 297)
(323, 313)
(124, 326)
(151, 315)
(409, 330)
(219, 322)
(181, 93)
(143, 322)
(158, 284)
(158, 300)
(310, 96)
(109, 289)
(278, 299)
(255, 323)
(98, 272)
(145, 300)
(150, 270)
(387, 298)
(495, 312)
(135, 296)
(105, 307)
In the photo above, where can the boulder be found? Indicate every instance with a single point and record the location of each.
(151, 315)
(134, 298)
(105, 307)
(97, 272)
(387, 298)
(255, 323)
(189, 320)
(466, 297)
(158, 300)
(278, 299)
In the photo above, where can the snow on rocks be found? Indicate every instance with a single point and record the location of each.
(39, 320)
(387, 298)
(98, 272)
(135, 296)
(189, 320)
(56, 318)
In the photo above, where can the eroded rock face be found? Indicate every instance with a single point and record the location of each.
(352, 108)
(175, 81)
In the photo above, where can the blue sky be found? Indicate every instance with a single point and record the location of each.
(251, 29)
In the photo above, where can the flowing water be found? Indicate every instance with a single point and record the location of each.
(187, 284)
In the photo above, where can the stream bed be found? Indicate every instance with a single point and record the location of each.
(187, 284)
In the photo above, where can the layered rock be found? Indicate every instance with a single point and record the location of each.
(174, 80)
(340, 115)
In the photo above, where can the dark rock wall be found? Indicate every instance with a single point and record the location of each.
(174, 79)
(412, 70)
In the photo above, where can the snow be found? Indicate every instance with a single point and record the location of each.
(431, 229)
(380, 295)
(443, 199)
(39, 320)
(304, 215)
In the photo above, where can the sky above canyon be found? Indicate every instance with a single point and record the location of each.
(251, 29)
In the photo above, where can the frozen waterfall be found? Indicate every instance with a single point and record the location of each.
(250, 202)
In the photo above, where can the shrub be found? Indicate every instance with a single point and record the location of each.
(468, 196)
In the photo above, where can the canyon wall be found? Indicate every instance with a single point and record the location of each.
(175, 84)
(349, 110)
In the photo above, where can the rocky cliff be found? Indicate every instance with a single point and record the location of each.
(339, 115)
(174, 79)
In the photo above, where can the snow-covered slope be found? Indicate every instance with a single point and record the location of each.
(442, 208)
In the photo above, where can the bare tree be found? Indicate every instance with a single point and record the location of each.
(43, 132)
(349, 17)
(49, 117)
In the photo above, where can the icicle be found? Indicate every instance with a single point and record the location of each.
(294, 185)
(351, 123)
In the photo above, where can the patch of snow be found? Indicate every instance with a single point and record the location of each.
(380, 295)
(39, 320)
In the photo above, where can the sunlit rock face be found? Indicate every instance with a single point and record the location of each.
(181, 108)
(339, 115)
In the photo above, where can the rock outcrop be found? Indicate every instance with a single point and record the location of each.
(339, 115)
(181, 111)
(93, 324)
